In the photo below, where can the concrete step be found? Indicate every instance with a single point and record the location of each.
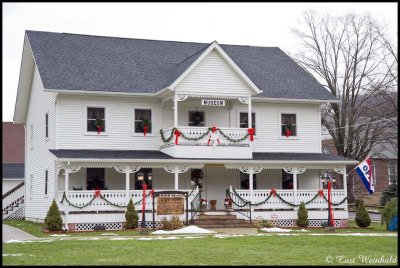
(216, 221)
(217, 217)
(243, 225)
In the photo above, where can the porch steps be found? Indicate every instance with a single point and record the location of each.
(220, 221)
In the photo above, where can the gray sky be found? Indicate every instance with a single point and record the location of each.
(254, 24)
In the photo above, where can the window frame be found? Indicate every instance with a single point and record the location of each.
(47, 126)
(395, 172)
(46, 182)
(283, 137)
(85, 119)
(248, 179)
(140, 134)
(253, 121)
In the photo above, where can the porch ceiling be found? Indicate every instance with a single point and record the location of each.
(157, 156)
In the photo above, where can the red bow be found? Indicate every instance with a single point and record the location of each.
(99, 128)
(273, 192)
(177, 133)
(213, 129)
(288, 132)
(251, 132)
(145, 129)
(321, 193)
(97, 193)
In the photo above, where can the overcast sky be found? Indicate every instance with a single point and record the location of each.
(254, 24)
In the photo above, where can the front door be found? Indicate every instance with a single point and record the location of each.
(218, 180)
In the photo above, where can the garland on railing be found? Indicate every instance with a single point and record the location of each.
(166, 140)
(94, 197)
(273, 193)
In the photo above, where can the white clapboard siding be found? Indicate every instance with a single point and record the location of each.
(309, 180)
(269, 178)
(39, 159)
(214, 76)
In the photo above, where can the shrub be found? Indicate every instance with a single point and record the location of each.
(261, 223)
(302, 216)
(174, 223)
(390, 210)
(53, 220)
(362, 218)
(388, 193)
(131, 216)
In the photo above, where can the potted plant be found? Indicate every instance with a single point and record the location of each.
(203, 204)
(228, 203)
(99, 124)
(145, 125)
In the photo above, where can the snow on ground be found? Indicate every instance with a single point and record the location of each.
(187, 230)
(26, 241)
(59, 235)
(276, 230)
(108, 234)
(13, 255)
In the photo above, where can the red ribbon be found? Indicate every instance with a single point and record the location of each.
(177, 133)
(152, 193)
(321, 193)
(288, 132)
(99, 128)
(97, 193)
(251, 132)
(273, 192)
(213, 129)
(145, 129)
(144, 199)
(330, 205)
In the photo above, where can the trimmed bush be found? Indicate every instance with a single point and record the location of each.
(388, 193)
(173, 224)
(131, 216)
(362, 218)
(261, 223)
(390, 210)
(53, 220)
(302, 216)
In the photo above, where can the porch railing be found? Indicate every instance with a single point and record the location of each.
(109, 200)
(195, 204)
(13, 197)
(201, 135)
(239, 204)
(286, 199)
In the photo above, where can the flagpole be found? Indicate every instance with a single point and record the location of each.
(368, 156)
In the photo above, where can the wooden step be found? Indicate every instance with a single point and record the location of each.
(216, 221)
(217, 217)
(242, 225)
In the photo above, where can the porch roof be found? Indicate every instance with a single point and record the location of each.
(82, 155)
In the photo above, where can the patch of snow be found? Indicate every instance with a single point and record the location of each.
(108, 234)
(59, 235)
(186, 230)
(27, 241)
(121, 238)
(276, 229)
(303, 230)
(227, 235)
(194, 237)
(13, 255)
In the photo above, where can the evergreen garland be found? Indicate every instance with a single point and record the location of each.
(87, 204)
(166, 140)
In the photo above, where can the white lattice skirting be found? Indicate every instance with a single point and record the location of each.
(108, 225)
(311, 223)
(19, 214)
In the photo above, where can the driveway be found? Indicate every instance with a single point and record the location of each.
(374, 216)
(11, 233)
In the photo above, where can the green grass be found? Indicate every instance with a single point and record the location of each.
(246, 250)
(36, 229)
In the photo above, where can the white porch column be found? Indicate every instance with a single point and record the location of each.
(249, 113)
(66, 180)
(176, 170)
(68, 169)
(175, 111)
(295, 171)
(345, 185)
(251, 171)
(127, 170)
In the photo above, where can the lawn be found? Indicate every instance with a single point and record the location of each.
(210, 250)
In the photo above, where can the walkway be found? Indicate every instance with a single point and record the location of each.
(11, 233)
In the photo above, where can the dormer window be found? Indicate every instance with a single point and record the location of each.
(95, 114)
(143, 121)
(288, 125)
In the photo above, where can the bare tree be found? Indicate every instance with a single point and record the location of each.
(351, 56)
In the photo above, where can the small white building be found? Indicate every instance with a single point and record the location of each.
(208, 119)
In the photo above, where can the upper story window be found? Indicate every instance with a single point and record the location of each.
(196, 119)
(143, 121)
(47, 124)
(244, 120)
(96, 119)
(392, 172)
(288, 125)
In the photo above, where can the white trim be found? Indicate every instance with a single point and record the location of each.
(320, 128)
(47, 128)
(222, 53)
(297, 137)
(284, 100)
(85, 110)
(91, 92)
(140, 134)
(13, 179)
(56, 119)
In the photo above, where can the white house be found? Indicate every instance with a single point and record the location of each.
(219, 119)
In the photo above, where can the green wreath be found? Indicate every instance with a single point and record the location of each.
(99, 123)
(144, 122)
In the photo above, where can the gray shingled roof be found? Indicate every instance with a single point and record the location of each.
(111, 154)
(13, 170)
(96, 63)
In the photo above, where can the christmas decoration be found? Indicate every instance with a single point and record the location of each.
(321, 193)
(99, 124)
(97, 193)
(177, 134)
(145, 125)
(273, 192)
(288, 131)
(251, 132)
(214, 137)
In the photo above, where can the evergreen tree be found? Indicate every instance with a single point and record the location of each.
(53, 220)
(302, 216)
(389, 211)
(388, 193)
(362, 216)
(131, 216)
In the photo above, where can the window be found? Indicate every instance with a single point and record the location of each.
(287, 180)
(31, 137)
(245, 182)
(47, 125)
(244, 118)
(373, 172)
(144, 175)
(95, 179)
(196, 119)
(142, 119)
(288, 122)
(92, 115)
(46, 181)
(392, 172)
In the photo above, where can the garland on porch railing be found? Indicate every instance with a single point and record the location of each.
(181, 134)
(94, 197)
(274, 193)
